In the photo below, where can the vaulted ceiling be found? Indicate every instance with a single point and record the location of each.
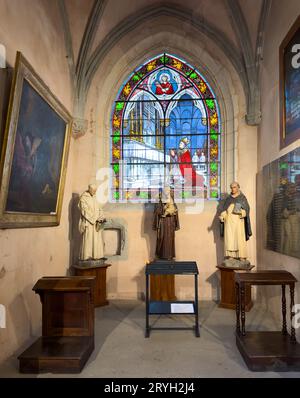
(93, 27)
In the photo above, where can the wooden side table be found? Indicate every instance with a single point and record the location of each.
(264, 350)
(99, 272)
(228, 296)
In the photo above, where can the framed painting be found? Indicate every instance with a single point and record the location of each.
(289, 64)
(34, 153)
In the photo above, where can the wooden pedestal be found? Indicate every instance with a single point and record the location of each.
(99, 272)
(162, 288)
(68, 326)
(228, 296)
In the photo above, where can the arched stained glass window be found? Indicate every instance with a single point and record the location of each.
(165, 132)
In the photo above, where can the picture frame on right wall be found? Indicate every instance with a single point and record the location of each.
(289, 81)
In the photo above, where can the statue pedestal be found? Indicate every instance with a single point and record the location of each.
(228, 296)
(99, 271)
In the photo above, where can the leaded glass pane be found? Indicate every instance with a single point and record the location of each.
(165, 131)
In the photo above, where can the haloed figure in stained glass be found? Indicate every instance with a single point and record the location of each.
(164, 86)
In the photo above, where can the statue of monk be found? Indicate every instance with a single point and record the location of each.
(235, 224)
(166, 222)
(90, 225)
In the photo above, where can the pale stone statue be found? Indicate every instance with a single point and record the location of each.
(235, 226)
(91, 225)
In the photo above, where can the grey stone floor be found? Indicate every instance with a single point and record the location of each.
(122, 351)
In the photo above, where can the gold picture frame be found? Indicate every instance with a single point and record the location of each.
(289, 82)
(34, 153)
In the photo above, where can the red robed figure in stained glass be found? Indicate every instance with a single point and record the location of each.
(165, 87)
(185, 164)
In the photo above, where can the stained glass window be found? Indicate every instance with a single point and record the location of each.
(165, 132)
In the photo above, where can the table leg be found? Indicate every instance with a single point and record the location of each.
(237, 308)
(283, 306)
(147, 331)
(293, 332)
(197, 332)
(243, 313)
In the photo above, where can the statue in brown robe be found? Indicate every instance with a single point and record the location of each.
(166, 222)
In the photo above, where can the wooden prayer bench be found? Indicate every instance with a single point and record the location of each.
(67, 326)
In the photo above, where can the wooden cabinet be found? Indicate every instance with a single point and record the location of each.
(67, 325)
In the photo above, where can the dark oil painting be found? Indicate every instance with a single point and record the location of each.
(37, 157)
